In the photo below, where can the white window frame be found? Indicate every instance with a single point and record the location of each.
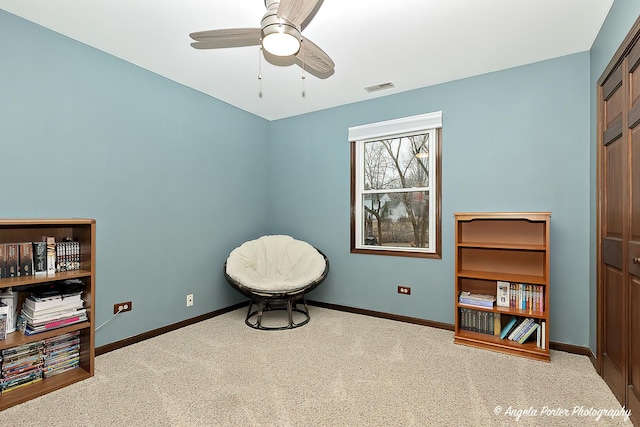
(429, 123)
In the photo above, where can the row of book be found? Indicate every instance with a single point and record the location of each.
(52, 308)
(38, 258)
(521, 296)
(479, 321)
(514, 328)
(30, 363)
(521, 329)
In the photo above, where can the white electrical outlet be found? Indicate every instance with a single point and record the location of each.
(189, 300)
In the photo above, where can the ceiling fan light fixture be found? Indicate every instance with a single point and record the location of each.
(279, 36)
(281, 43)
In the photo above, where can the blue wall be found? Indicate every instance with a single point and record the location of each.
(620, 19)
(174, 178)
(514, 140)
(177, 178)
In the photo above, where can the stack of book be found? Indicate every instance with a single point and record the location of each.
(477, 300)
(61, 353)
(46, 312)
(21, 365)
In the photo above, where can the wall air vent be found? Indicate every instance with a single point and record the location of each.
(381, 86)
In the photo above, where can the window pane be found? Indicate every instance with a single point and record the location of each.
(397, 163)
(396, 219)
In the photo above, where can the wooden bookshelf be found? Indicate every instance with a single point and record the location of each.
(30, 230)
(509, 247)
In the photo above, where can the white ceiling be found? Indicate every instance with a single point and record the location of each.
(412, 43)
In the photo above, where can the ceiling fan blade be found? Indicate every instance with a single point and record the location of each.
(235, 37)
(296, 11)
(314, 59)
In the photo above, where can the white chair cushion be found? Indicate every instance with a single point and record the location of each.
(275, 263)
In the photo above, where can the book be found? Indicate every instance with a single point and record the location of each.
(543, 329)
(480, 297)
(66, 311)
(518, 328)
(12, 264)
(52, 311)
(58, 323)
(508, 327)
(39, 258)
(25, 258)
(532, 328)
(528, 322)
(59, 257)
(51, 254)
(477, 300)
(35, 303)
(76, 255)
(27, 329)
(502, 294)
(475, 303)
(39, 321)
(497, 324)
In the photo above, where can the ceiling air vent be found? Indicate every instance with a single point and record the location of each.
(381, 86)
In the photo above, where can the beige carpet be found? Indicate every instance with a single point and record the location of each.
(341, 369)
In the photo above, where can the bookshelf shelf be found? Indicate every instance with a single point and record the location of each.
(34, 280)
(508, 247)
(477, 339)
(491, 245)
(32, 230)
(505, 277)
(506, 310)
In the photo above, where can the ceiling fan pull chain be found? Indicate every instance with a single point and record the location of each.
(260, 72)
(303, 70)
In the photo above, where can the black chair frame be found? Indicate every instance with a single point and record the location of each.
(264, 301)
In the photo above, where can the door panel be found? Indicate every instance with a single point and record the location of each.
(613, 326)
(612, 252)
(614, 105)
(614, 155)
(614, 172)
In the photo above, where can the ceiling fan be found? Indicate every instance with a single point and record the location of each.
(279, 35)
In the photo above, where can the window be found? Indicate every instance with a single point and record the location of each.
(395, 187)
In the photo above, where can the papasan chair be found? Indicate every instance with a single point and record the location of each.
(275, 272)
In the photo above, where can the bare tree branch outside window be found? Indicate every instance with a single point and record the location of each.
(396, 192)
